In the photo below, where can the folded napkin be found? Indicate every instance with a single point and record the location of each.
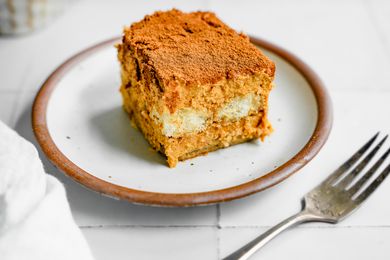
(35, 218)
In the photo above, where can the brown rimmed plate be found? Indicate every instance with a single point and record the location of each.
(79, 123)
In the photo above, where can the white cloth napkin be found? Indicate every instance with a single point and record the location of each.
(35, 218)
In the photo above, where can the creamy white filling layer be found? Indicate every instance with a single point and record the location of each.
(239, 107)
(188, 120)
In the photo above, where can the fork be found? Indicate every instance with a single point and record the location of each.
(332, 200)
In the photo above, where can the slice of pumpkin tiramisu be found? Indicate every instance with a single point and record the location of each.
(193, 85)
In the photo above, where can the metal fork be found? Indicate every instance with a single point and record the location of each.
(331, 201)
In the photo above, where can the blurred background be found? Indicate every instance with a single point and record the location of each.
(346, 42)
(329, 35)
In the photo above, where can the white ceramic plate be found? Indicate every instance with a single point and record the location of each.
(79, 120)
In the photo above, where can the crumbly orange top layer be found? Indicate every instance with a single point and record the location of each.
(193, 48)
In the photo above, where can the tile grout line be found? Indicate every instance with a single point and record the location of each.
(377, 28)
(14, 111)
(359, 90)
(146, 226)
(12, 116)
(218, 244)
(20, 92)
(329, 226)
(228, 227)
(218, 230)
(9, 91)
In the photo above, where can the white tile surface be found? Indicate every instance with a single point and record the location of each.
(17, 66)
(313, 243)
(346, 42)
(354, 123)
(336, 37)
(152, 243)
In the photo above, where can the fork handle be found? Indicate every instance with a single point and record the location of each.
(249, 249)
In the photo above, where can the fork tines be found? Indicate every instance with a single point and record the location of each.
(343, 180)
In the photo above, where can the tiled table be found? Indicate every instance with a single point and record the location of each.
(346, 42)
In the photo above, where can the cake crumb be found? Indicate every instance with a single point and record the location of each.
(151, 150)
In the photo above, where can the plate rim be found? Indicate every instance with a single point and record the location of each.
(300, 159)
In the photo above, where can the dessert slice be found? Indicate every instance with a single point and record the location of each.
(193, 85)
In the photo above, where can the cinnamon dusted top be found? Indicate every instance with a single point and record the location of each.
(194, 48)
